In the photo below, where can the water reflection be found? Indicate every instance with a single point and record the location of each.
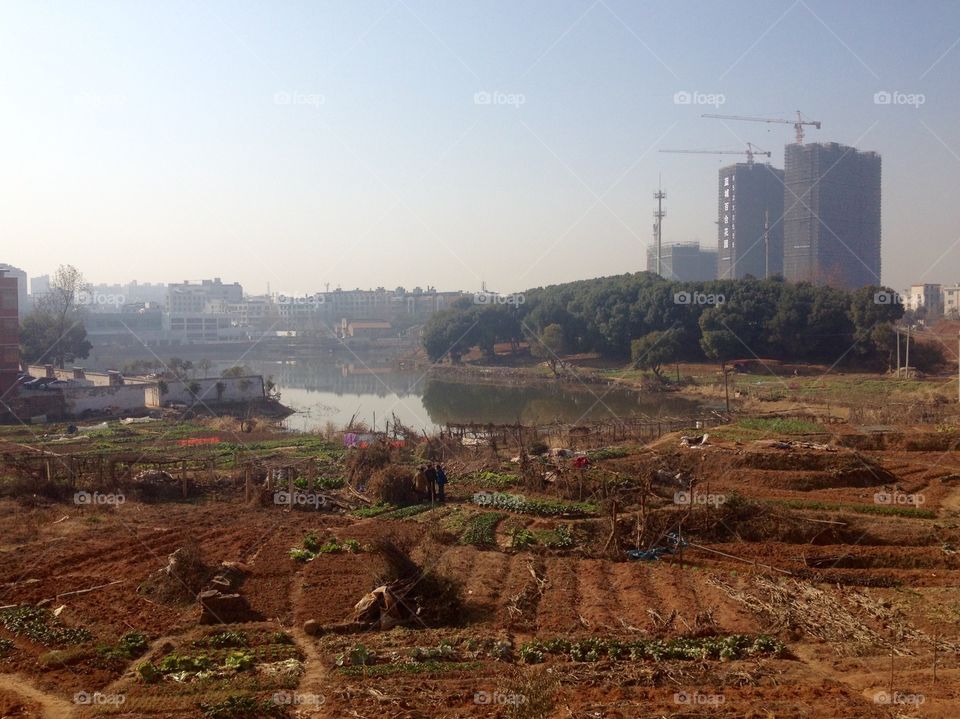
(327, 389)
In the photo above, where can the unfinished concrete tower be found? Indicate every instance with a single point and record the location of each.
(831, 215)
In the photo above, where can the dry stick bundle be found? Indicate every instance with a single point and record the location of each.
(792, 603)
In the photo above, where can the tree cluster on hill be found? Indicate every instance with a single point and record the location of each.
(656, 321)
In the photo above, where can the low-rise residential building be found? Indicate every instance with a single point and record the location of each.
(367, 329)
(200, 327)
(9, 334)
(192, 297)
(23, 296)
(927, 298)
(950, 301)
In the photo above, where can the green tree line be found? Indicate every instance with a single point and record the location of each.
(657, 321)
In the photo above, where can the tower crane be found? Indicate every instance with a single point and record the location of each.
(749, 152)
(797, 124)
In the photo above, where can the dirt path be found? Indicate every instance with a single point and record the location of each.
(315, 679)
(53, 707)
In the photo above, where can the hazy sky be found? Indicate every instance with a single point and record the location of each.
(300, 143)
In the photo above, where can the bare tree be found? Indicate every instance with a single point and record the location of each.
(54, 330)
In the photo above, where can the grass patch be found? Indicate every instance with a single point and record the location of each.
(404, 512)
(481, 529)
(538, 507)
(492, 480)
(882, 509)
(374, 510)
(753, 428)
(429, 667)
(608, 453)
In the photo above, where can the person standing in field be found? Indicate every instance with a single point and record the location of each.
(441, 482)
(432, 482)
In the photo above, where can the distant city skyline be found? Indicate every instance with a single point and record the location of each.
(386, 143)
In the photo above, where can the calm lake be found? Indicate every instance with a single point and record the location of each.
(326, 389)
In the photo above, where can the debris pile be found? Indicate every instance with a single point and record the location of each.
(180, 580)
(405, 595)
(220, 602)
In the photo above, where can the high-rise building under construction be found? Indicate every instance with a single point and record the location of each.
(831, 233)
(749, 227)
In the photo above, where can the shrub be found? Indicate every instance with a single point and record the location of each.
(539, 448)
(393, 485)
(521, 537)
(149, 673)
(311, 543)
(363, 462)
(301, 555)
(133, 644)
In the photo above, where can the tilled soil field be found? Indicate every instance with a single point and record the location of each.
(804, 579)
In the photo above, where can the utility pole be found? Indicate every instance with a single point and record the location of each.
(766, 244)
(659, 214)
(897, 330)
(907, 365)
